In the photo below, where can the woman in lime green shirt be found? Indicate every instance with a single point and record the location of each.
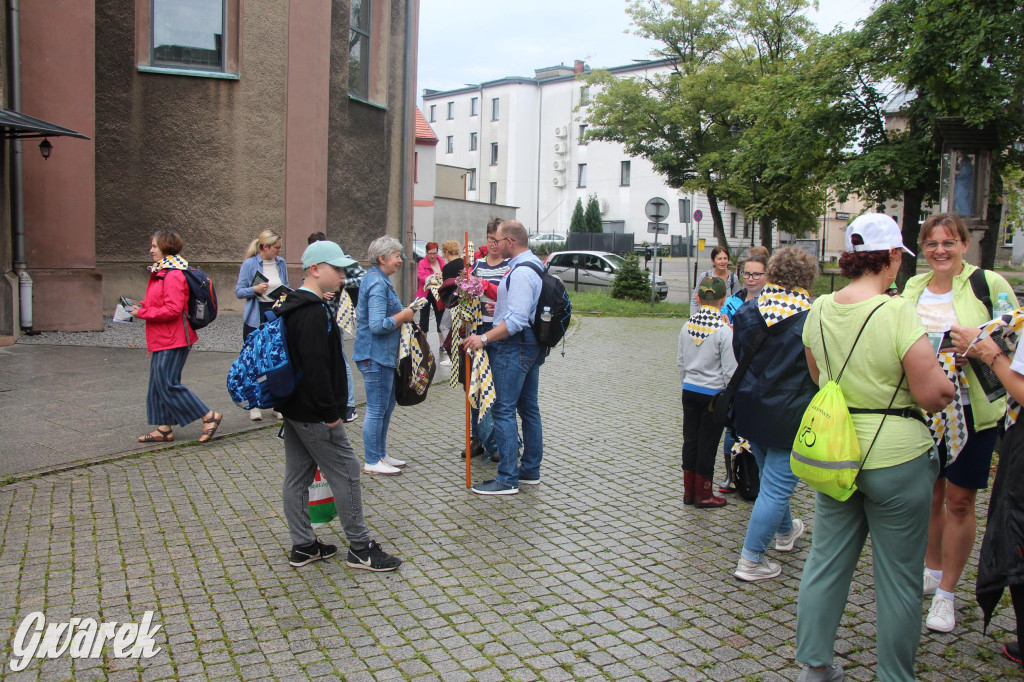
(945, 298)
(892, 359)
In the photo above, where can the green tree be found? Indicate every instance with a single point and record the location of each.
(577, 223)
(683, 121)
(630, 281)
(592, 217)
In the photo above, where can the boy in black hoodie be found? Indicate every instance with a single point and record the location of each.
(313, 431)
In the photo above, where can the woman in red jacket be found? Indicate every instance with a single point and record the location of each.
(168, 339)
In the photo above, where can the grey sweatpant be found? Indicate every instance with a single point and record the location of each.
(306, 446)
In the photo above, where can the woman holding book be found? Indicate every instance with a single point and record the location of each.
(263, 272)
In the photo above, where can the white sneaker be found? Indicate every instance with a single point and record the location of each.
(784, 543)
(931, 583)
(278, 414)
(381, 467)
(392, 461)
(255, 414)
(445, 362)
(941, 615)
(749, 571)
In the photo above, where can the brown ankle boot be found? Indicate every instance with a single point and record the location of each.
(705, 497)
(689, 487)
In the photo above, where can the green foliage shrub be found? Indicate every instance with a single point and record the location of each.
(631, 282)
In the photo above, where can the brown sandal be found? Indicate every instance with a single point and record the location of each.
(209, 432)
(158, 436)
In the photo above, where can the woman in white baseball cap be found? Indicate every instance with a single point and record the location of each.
(888, 359)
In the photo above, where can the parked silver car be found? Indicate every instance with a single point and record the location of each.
(551, 239)
(596, 270)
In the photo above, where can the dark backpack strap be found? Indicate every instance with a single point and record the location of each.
(530, 264)
(749, 351)
(979, 284)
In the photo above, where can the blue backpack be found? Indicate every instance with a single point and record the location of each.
(263, 372)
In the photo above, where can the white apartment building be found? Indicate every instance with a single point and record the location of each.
(520, 140)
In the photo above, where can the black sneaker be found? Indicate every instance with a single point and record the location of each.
(301, 556)
(350, 415)
(373, 558)
(1012, 651)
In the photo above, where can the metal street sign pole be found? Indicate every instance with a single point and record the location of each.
(657, 210)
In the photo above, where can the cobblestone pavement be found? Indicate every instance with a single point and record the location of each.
(598, 573)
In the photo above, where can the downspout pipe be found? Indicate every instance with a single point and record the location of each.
(17, 185)
(408, 140)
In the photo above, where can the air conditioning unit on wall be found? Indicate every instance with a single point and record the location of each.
(561, 131)
(559, 181)
(561, 148)
(559, 165)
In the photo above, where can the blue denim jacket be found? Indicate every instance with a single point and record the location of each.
(377, 335)
(243, 288)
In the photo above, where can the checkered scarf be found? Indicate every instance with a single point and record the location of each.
(433, 284)
(740, 445)
(1011, 325)
(169, 263)
(950, 423)
(481, 381)
(466, 317)
(409, 345)
(705, 323)
(346, 315)
(777, 303)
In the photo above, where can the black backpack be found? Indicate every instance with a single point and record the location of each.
(554, 299)
(202, 298)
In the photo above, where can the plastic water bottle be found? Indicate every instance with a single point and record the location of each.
(545, 315)
(1002, 306)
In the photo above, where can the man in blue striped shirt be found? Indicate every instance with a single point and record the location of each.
(515, 358)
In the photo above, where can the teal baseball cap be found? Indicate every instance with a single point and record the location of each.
(326, 252)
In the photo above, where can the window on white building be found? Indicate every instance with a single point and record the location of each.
(584, 94)
(451, 110)
(472, 142)
(732, 224)
(471, 180)
(581, 175)
(450, 144)
(495, 108)
(746, 227)
(494, 153)
(583, 131)
(493, 198)
(474, 106)
(624, 173)
(433, 113)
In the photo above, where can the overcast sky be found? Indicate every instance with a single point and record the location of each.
(471, 41)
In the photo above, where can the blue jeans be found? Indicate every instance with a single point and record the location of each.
(771, 515)
(515, 363)
(348, 376)
(483, 429)
(379, 382)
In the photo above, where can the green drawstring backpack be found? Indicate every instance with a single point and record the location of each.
(826, 452)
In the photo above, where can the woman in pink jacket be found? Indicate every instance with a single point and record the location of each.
(168, 339)
(431, 265)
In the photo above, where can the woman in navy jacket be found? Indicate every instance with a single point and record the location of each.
(770, 401)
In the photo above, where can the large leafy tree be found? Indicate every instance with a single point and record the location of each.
(961, 58)
(683, 121)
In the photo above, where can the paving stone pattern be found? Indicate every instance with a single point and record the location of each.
(598, 573)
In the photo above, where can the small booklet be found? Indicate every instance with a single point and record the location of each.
(277, 293)
(258, 278)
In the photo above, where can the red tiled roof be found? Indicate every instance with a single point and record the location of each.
(424, 133)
